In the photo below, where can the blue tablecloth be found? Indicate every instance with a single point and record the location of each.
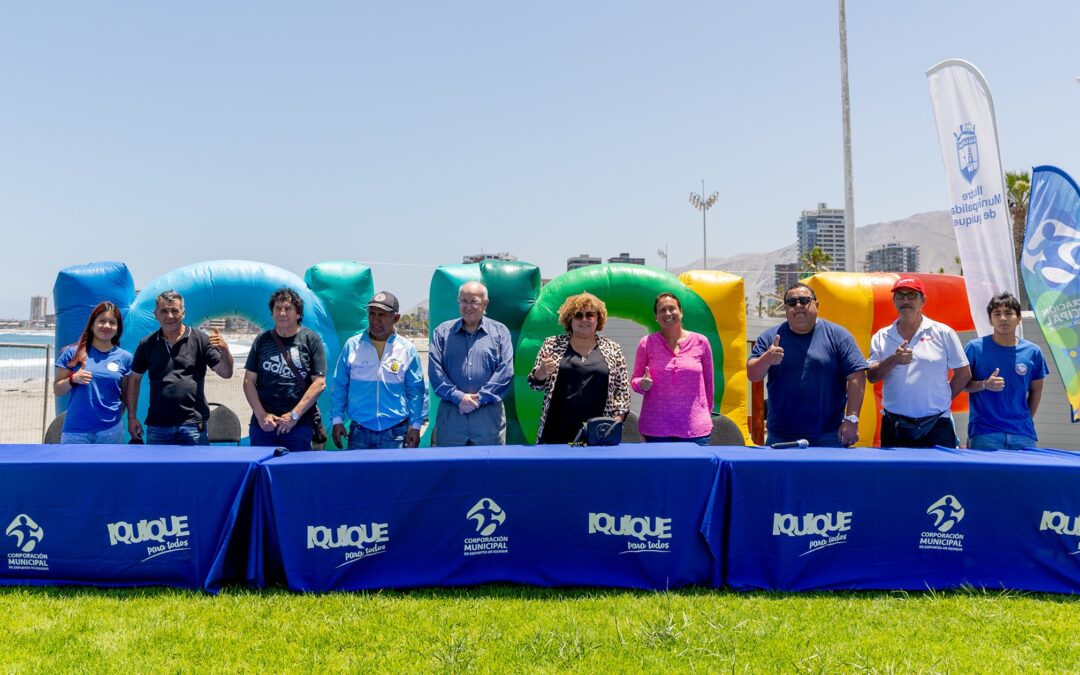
(633, 516)
(901, 519)
(125, 515)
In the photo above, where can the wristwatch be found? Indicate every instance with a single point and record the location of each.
(296, 418)
(854, 419)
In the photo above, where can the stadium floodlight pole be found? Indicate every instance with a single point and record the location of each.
(703, 204)
(662, 252)
(849, 186)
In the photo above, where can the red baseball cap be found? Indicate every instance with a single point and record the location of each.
(910, 283)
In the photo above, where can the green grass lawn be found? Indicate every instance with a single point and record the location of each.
(513, 629)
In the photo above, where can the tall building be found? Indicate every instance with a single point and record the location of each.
(625, 258)
(786, 274)
(477, 257)
(823, 227)
(39, 307)
(892, 257)
(583, 260)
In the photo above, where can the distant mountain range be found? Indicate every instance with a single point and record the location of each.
(932, 232)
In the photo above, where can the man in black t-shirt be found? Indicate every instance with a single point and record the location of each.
(285, 373)
(176, 358)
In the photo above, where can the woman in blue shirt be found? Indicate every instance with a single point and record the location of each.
(94, 372)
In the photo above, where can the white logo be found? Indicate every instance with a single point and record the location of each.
(368, 540)
(1021, 369)
(489, 516)
(648, 531)
(165, 531)
(113, 367)
(829, 527)
(27, 533)
(946, 513)
(1058, 522)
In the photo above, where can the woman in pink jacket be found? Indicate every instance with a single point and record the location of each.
(673, 370)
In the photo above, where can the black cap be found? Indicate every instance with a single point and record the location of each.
(384, 300)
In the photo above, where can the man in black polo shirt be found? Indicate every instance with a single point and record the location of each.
(176, 358)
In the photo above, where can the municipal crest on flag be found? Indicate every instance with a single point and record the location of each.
(967, 151)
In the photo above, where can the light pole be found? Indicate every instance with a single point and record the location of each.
(703, 204)
(662, 252)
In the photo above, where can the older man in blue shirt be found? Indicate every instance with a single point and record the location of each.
(471, 368)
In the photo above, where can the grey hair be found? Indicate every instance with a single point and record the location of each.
(168, 296)
(480, 284)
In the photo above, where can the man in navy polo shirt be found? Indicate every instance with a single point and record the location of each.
(817, 375)
(176, 358)
(1006, 381)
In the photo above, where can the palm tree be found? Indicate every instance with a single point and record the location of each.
(1018, 186)
(815, 261)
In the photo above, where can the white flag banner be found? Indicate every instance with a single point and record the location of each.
(967, 132)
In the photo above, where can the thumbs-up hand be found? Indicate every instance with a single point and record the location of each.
(904, 354)
(646, 380)
(545, 369)
(775, 352)
(217, 341)
(995, 383)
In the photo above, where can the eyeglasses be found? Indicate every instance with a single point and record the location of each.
(906, 295)
(801, 300)
(470, 303)
(585, 315)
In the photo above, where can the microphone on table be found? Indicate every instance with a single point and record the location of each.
(801, 443)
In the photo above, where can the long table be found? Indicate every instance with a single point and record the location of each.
(901, 519)
(632, 516)
(125, 515)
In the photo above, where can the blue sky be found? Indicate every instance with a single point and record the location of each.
(410, 134)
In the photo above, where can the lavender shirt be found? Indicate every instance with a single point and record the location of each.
(680, 401)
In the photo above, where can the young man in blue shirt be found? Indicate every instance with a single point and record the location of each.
(1006, 381)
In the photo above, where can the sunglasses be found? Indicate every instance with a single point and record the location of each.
(906, 295)
(801, 300)
(586, 315)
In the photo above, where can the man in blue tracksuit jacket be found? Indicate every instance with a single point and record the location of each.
(379, 383)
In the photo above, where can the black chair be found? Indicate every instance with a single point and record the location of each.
(630, 433)
(223, 425)
(52, 434)
(725, 432)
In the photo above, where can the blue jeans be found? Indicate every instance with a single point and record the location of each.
(829, 440)
(297, 440)
(362, 438)
(112, 435)
(700, 440)
(1000, 441)
(185, 434)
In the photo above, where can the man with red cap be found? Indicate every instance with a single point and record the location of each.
(913, 356)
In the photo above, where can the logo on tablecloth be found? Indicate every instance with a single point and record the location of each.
(825, 529)
(1060, 523)
(945, 513)
(27, 535)
(164, 535)
(488, 516)
(368, 539)
(646, 532)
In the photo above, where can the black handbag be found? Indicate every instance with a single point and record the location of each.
(910, 428)
(599, 431)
